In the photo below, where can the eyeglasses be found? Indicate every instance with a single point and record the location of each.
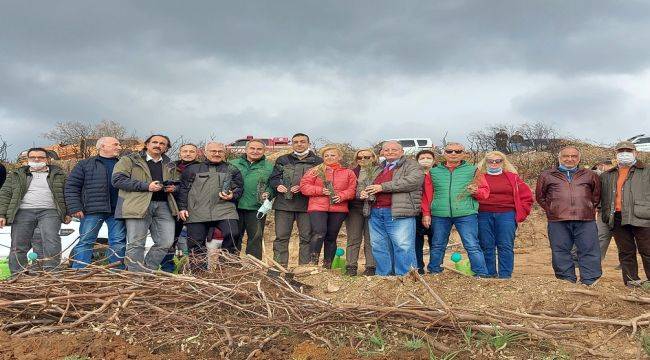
(454, 151)
(364, 157)
(494, 161)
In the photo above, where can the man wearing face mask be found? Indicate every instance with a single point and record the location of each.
(625, 207)
(569, 195)
(290, 205)
(32, 197)
(146, 202)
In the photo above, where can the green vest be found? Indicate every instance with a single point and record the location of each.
(256, 181)
(451, 198)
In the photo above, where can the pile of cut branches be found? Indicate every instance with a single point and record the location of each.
(238, 307)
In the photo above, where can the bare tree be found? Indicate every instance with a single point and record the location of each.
(78, 134)
(3, 150)
(109, 128)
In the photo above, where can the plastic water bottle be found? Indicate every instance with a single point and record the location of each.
(338, 262)
(461, 265)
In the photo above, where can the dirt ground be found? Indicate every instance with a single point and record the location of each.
(533, 289)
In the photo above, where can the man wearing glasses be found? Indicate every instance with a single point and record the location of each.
(32, 197)
(453, 201)
(625, 208)
(570, 195)
(207, 199)
(397, 189)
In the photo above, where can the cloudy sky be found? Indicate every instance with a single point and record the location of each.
(355, 71)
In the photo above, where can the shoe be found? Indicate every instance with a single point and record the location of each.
(369, 271)
(327, 264)
(421, 271)
(351, 271)
(634, 283)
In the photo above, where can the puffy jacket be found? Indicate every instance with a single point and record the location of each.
(522, 194)
(445, 191)
(256, 181)
(87, 188)
(563, 200)
(199, 192)
(343, 180)
(405, 187)
(132, 177)
(635, 209)
(288, 171)
(15, 187)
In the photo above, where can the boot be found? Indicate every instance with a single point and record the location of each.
(351, 271)
(369, 271)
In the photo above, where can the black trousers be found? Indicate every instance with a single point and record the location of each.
(325, 227)
(254, 228)
(630, 239)
(198, 232)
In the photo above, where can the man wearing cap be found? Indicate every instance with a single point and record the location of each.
(625, 207)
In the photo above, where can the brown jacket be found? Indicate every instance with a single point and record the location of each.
(563, 200)
(635, 196)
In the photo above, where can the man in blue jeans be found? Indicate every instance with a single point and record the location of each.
(396, 190)
(451, 200)
(91, 197)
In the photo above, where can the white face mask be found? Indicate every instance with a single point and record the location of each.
(265, 208)
(625, 158)
(36, 165)
(426, 162)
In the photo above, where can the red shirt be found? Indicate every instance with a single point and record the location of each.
(383, 200)
(501, 197)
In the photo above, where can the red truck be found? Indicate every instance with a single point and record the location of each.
(273, 144)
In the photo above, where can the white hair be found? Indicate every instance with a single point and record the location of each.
(101, 141)
(569, 147)
(454, 144)
(392, 142)
(214, 143)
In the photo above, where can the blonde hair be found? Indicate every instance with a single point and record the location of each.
(375, 159)
(322, 151)
(506, 165)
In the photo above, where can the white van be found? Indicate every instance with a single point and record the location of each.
(413, 145)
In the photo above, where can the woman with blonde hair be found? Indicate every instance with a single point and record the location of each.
(509, 203)
(329, 187)
(356, 224)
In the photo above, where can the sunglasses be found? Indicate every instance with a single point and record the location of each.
(364, 157)
(454, 151)
(494, 161)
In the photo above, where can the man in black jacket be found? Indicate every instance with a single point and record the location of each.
(3, 174)
(290, 205)
(91, 197)
(207, 198)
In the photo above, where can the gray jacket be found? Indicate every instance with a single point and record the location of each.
(636, 196)
(405, 187)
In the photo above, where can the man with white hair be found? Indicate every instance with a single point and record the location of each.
(396, 189)
(91, 197)
(208, 198)
(570, 195)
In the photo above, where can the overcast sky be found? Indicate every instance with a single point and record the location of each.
(353, 71)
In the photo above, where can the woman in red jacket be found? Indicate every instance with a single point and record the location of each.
(509, 203)
(329, 187)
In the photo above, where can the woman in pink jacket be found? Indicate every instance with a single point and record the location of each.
(329, 187)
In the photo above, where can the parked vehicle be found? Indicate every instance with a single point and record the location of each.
(69, 236)
(642, 142)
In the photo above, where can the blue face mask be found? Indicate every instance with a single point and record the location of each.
(494, 171)
(564, 168)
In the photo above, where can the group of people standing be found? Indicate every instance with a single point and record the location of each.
(388, 206)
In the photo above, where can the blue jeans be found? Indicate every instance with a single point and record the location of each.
(496, 231)
(467, 227)
(82, 253)
(393, 242)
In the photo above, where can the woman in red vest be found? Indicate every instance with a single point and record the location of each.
(509, 203)
(329, 187)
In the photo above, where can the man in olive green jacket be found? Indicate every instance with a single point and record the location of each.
(625, 207)
(145, 201)
(32, 197)
(255, 170)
